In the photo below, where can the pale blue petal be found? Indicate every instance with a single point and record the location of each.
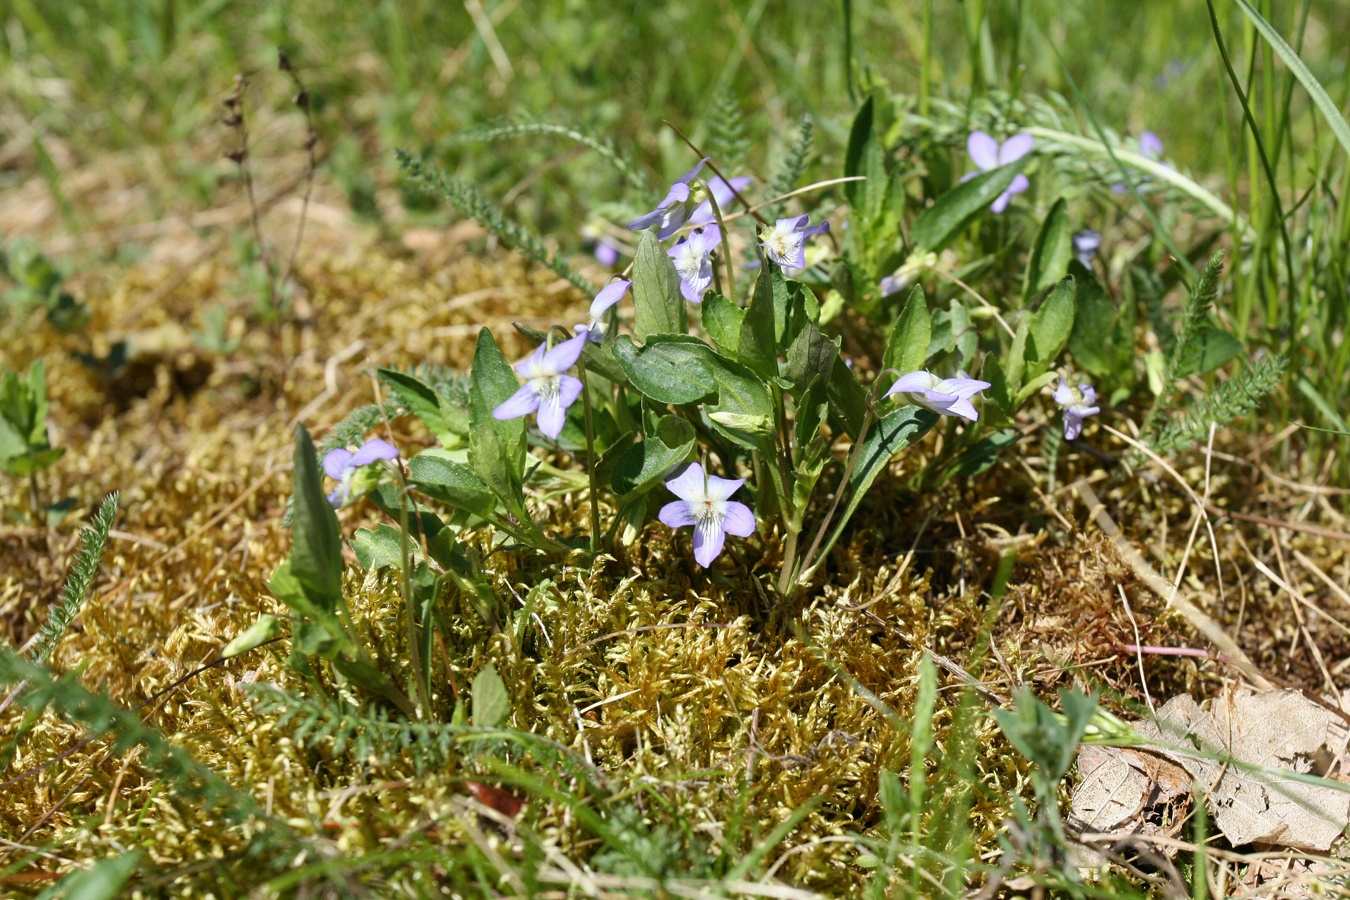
(569, 389)
(564, 356)
(676, 514)
(688, 484)
(1014, 148)
(739, 520)
(374, 450)
(335, 462)
(722, 488)
(983, 150)
(1019, 184)
(1150, 145)
(708, 541)
(1001, 203)
(521, 403)
(963, 408)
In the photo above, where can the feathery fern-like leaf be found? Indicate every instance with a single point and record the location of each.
(93, 540)
(97, 712)
(1228, 401)
(521, 127)
(727, 141)
(794, 164)
(477, 207)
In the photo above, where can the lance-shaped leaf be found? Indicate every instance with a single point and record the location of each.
(950, 213)
(758, 345)
(642, 466)
(907, 346)
(658, 307)
(451, 482)
(316, 555)
(811, 355)
(1051, 252)
(496, 447)
(722, 319)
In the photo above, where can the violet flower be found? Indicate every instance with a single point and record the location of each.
(547, 390)
(989, 154)
(1086, 243)
(785, 242)
(609, 295)
(723, 192)
(352, 471)
(693, 260)
(703, 504)
(1150, 147)
(674, 211)
(606, 254)
(1079, 403)
(944, 396)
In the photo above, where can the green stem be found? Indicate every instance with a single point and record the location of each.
(809, 559)
(726, 244)
(590, 460)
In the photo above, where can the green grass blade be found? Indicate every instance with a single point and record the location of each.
(1320, 98)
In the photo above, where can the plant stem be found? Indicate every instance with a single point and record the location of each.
(590, 460)
(853, 455)
(726, 245)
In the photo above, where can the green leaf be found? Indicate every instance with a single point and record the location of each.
(999, 389)
(1051, 252)
(671, 368)
(847, 398)
(812, 354)
(316, 557)
(907, 347)
(949, 214)
(758, 344)
(451, 482)
(889, 435)
(257, 634)
(1324, 103)
(423, 402)
(1094, 329)
(859, 136)
(722, 320)
(381, 547)
(657, 303)
(496, 448)
(103, 880)
(1210, 348)
(640, 468)
(744, 410)
(1050, 327)
(984, 453)
(491, 703)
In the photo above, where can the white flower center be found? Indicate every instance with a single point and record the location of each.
(707, 512)
(688, 262)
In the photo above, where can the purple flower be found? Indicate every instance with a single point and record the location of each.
(692, 255)
(989, 154)
(785, 242)
(1085, 246)
(606, 253)
(944, 396)
(609, 295)
(350, 471)
(723, 192)
(546, 390)
(674, 211)
(1150, 147)
(703, 503)
(1079, 403)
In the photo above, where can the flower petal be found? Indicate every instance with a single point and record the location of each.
(521, 403)
(338, 497)
(1150, 145)
(564, 356)
(688, 484)
(373, 450)
(914, 381)
(963, 408)
(1019, 184)
(983, 150)
(553, 409)
(708, 541)
(722, 488)
(1014, 148)
(609, 295)
(739, 520)
(676, 514)
(1001, 202)
(335, 462)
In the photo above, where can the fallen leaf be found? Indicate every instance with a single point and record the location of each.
(504, 802)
